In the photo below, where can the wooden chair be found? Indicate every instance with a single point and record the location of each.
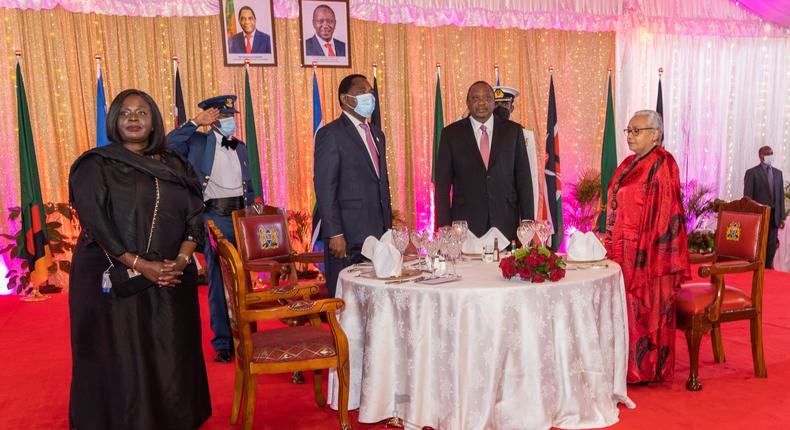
(264, 243)
(741, 238)
(281, 350)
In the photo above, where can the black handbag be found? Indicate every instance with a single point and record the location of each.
(123, 281)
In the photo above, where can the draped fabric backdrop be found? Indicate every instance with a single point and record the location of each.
(724, 98)
(60, 76)
(726, 81)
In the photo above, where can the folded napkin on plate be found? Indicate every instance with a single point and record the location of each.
(585, 247)
(475, 245)
(387, 261)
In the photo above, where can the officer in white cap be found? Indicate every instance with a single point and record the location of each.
(503, 100)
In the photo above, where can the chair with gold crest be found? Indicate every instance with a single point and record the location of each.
(281, 350)
(740, 245)
(264, 244)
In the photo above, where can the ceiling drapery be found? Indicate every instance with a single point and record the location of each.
(691, 17)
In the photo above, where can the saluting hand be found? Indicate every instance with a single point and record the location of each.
(206, 117)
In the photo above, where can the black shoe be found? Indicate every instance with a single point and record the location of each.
(224, 356)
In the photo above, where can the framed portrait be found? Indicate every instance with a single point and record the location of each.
(248, 32)
(326, 34)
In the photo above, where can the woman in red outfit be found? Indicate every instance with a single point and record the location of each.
(645, 235)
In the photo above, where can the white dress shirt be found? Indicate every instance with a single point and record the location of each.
(362, 134)
(489, 129)
(225, 179)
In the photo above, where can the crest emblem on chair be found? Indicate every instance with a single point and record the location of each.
(733, 231)
(267, 238)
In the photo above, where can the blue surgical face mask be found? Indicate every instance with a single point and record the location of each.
(366, 104)
(768, 159)
(227, 126)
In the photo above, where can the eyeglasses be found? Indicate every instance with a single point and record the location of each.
(635, 131)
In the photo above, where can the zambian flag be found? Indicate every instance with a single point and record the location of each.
(33, 243)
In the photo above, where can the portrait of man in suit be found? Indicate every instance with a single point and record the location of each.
(350, 179)
(764, 184)
(323, 43)
(324, 33)
(249, 40)
(482, 169)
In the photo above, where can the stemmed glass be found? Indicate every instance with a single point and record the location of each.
(460, 229)
(543, 230)
(432, 248)
(453, 249)
(420, 241)
(525, 232)
(400, 238)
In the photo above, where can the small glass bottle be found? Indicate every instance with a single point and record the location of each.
(496, 249)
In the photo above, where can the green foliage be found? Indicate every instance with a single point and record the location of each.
(60, 246)
(584, 205)
(698, 203)
(300, 223)
(787, 198)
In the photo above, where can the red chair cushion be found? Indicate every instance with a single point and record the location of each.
(694, 298)
(292, 344)
(737, 235)
(262, 236)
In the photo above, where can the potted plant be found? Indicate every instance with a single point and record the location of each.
(61, 244)
(300, 224)
(584, 204)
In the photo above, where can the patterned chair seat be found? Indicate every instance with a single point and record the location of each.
(292, 344)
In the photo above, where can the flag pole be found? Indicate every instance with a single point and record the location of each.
(36, 210)
(175, 103)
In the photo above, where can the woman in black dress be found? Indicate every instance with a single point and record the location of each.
(137, 357)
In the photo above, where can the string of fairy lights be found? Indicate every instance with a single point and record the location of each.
(284, 120)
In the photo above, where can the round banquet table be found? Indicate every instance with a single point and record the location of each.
(485, 352)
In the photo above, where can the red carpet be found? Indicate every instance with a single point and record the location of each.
(35, 373)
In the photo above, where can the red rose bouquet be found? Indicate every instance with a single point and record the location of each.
(534, 264)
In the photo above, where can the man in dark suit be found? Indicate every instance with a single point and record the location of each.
(350, 179)
(323, 43)
(249, 40)
(764, 184)
(220, 161)
(482, 162)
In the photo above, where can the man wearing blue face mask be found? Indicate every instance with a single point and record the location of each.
(764, 184)
(220, 161)
(350, 179)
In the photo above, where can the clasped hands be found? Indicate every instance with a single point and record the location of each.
(165, 273)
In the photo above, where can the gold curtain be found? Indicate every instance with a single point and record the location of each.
(60, 76)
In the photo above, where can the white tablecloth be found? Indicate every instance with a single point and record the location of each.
(487, 353)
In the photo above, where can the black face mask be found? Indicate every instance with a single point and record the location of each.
(502, 112)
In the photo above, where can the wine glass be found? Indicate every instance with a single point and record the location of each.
(418, 239)
(454, 246)
(460, 229)
(400, 238)
(525, 232)
(543, 230)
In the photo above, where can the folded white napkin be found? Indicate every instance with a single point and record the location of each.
(475, 245)
(386, 237)
(387, 261)
(585, 247)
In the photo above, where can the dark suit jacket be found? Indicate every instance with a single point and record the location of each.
(313, 47)
(351, 199)
(261, 43)
(498, 197)
(755, 186)
(198, 148)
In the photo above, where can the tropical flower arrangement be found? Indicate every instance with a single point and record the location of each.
(535, 264)
(701, 242)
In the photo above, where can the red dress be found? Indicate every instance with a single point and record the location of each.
(646, 236)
